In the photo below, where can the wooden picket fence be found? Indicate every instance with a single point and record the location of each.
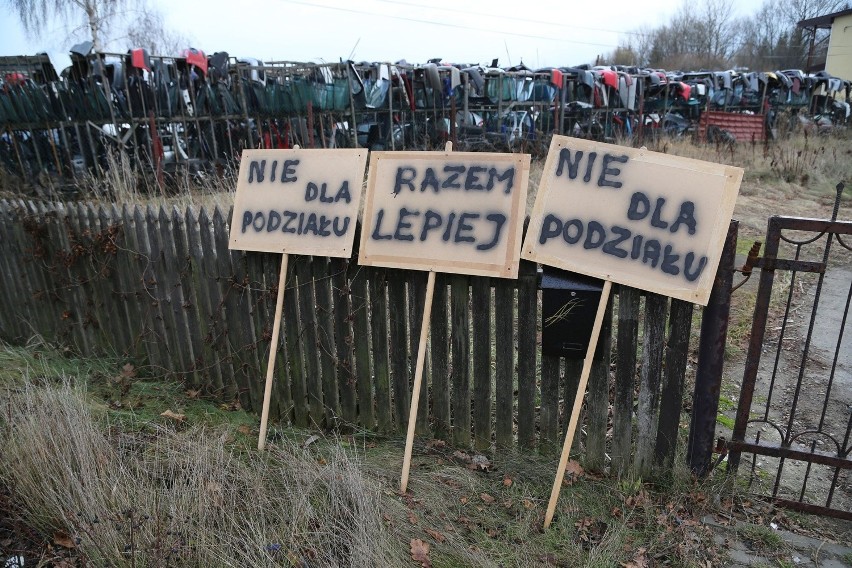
(161, 289)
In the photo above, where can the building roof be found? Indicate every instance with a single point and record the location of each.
(823, 21)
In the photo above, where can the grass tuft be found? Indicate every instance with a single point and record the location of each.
(188, 497)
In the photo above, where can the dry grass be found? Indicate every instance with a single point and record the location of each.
(142, 493)
(185, 498)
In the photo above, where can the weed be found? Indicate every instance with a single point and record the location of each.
(761, 537)
(725, 421)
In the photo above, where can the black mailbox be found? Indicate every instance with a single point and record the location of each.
(569, 303)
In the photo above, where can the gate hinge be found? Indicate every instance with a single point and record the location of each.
(748, 265)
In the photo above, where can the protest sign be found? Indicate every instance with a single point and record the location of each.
(295, 202)
(647, 220)
(639, 218)
(459, 212)
(298, 201)
(447, 212)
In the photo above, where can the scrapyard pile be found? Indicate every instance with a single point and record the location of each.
(194, 112)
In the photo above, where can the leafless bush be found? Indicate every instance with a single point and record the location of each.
(183, 498)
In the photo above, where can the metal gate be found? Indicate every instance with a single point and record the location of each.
(795, 408)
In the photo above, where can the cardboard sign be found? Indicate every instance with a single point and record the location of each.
(457, 212)
(298, 201)
(635, 217)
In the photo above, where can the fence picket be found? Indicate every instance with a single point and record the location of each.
(527, 316)
(218, 287)
(208, 360)
(398, 348)
(111, 236)
(325, 339)
(361, 344)
(671, 398)
(573, 369)
(481, 316)
(625, 373)
(187, 299)
(295, 347)
(308, 332)
(263, 269)
(40, 292)
(416, 298)
(75, 276)
(99, 263)
(649, 389)
(439, 352)
(548, 415)
(345, 362)
(504, 350)
(597, 398)
(460, 341)
(381, 355)
(13, 328)
(237, 312)
(173, 293)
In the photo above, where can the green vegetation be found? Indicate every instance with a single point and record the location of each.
(761, 537)
(725, 421)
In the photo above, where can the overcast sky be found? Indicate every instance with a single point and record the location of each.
(538, 32)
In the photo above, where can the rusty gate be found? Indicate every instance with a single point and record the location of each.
(794, 416)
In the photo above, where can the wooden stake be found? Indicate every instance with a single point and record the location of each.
(273, 351)
(578, 403)
(418, 379)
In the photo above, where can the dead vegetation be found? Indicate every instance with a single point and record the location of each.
(181, 496)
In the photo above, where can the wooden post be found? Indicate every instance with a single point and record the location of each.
(418, 379)
(418, 371)
(273, 349)
(578, 403)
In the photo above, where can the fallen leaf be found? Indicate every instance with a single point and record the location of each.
(507, 481)
(386, 517)
(420, 552)
(411, 518)
(463, 500)
(244, 429)
(528, 504)
(450, 482)
(436, 444)
(173, 415)
(193, 393)
(492, 533)
(461, 456)
(486, 497)
(63, 539)
(573, 471)
(436, 535)
(128, 371)
(640, 560)
(310, 441)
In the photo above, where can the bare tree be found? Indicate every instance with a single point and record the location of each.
(635, 49)
(697, 35)
(148, 31)
(771, 39)
(95, 15)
